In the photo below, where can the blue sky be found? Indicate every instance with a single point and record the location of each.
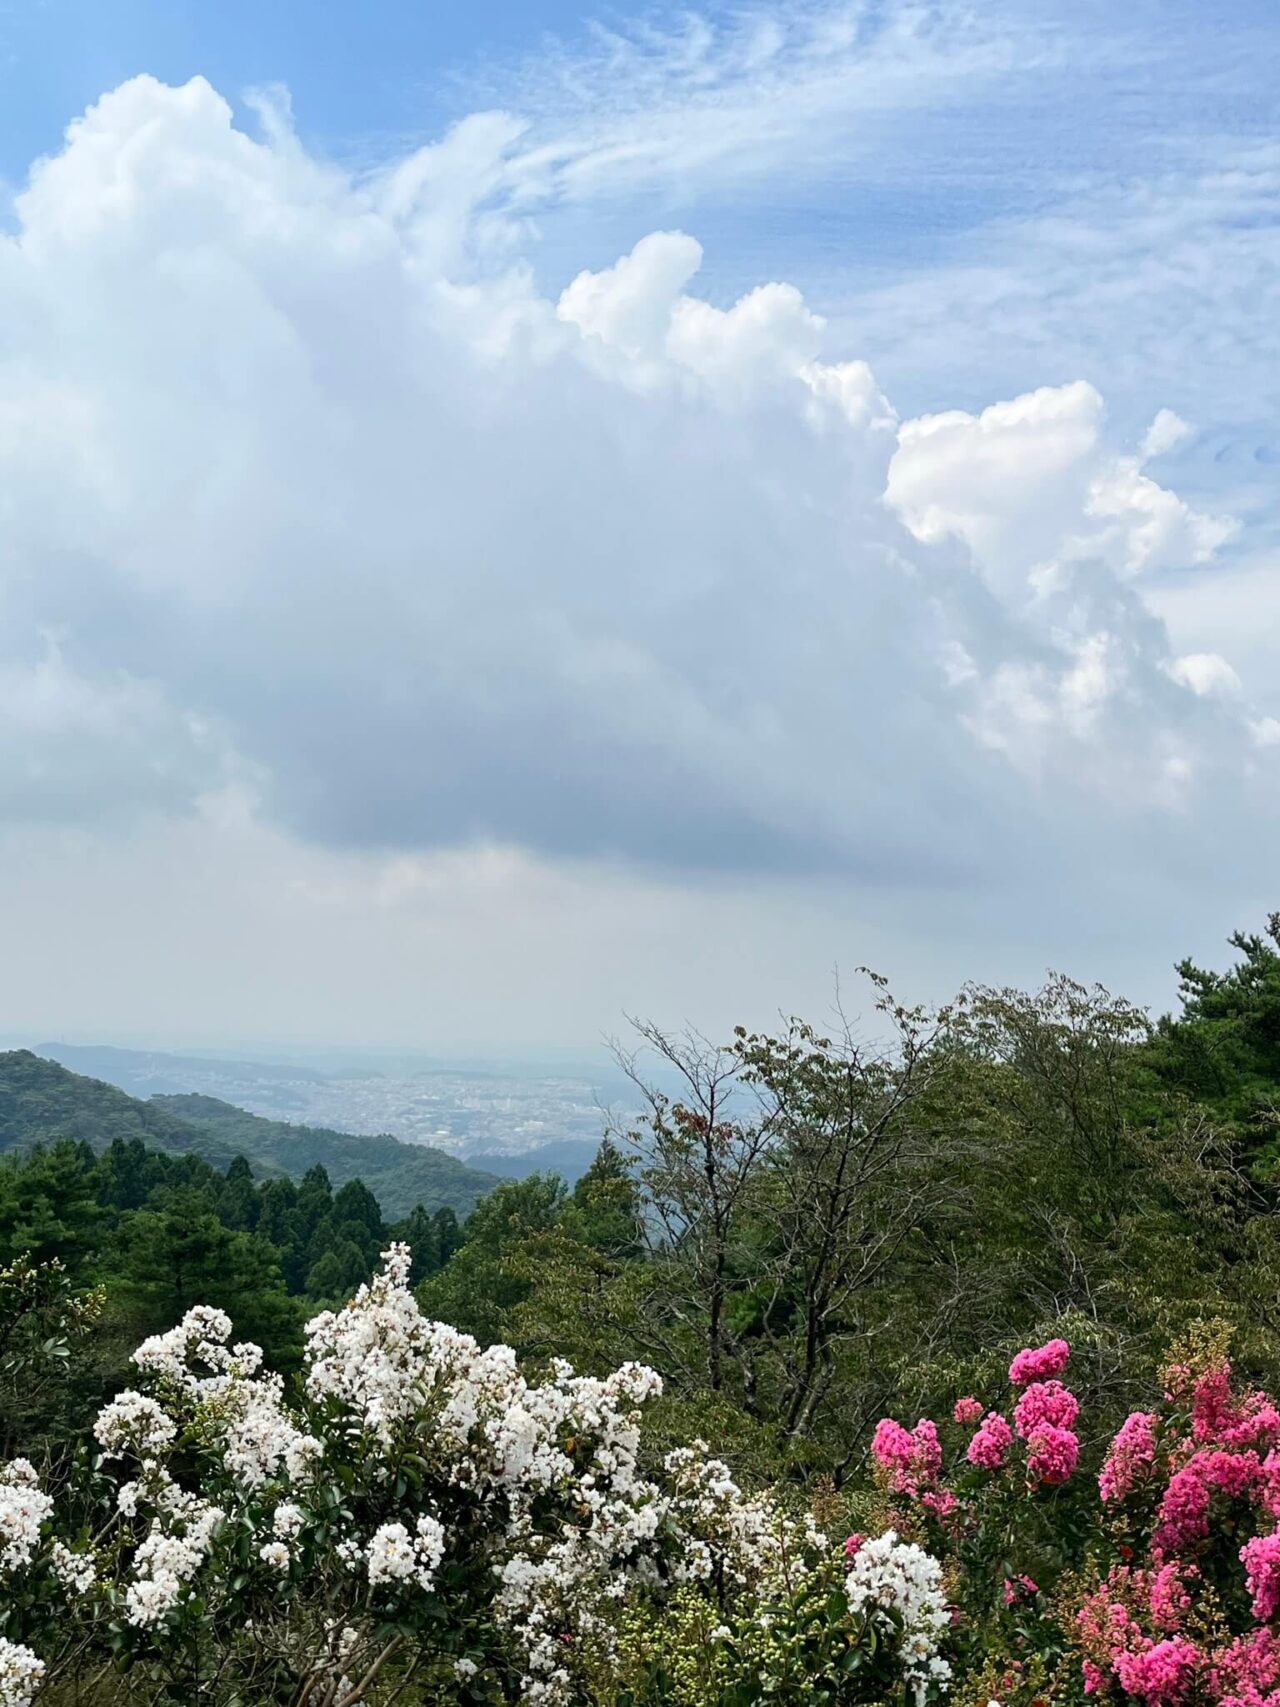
(487, 482)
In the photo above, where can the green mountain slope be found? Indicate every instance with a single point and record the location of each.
(40, 1101)
(399, 1175)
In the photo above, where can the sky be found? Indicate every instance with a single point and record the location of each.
(524, 514)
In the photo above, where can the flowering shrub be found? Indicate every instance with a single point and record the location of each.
(1187, 1610)
(995, 1495)
(421, 1514)
(1156, 1583)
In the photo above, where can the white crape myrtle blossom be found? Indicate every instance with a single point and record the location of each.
(176, 1545)
(901, 1577)
(75, 1571)
(396, 1555)
(133, 1422)
(23, 1509)
(275, 1554)
(243, 1409)
(20, 1674)
(287, 1520)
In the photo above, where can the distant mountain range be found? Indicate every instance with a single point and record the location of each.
(41, 1100)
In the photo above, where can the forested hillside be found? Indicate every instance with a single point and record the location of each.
(161, 1232)
(41, 1100)
(399, 1175)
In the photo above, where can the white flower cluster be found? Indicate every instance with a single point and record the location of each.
(394, 1555)
(900, 1577)
(543, 1480)
(176, 1545)
(287, 1520)
(75, 1571)
(747, 1541)
(134, 1422)
(20, 1674)
(23, 1508)
(243, 1409)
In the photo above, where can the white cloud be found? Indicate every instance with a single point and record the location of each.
(322, 498)
(1033, 481)
(1206, 673)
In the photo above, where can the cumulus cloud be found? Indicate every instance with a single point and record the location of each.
(1034, 480)
(320, 497)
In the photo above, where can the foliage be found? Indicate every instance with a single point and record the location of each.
(1223, 1050)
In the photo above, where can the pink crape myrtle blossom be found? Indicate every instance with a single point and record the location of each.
(1212, 1403)
(1045, 1404)
(1052, 1454)
(1261, 1560)
(1246, 1673)
(1039, 1363)
(1018, 1588)
(1168, 1597)
(1131, 1455)
(1161, 1674)
(992, 1441)
(1184, 1509)
(966, 1412)
(912, 1457)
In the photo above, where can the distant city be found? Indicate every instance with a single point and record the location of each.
(511, 1118)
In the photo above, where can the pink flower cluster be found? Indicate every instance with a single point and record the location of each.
(1039, 1363)
(992, 1441)
(1184, 1508)
(1132, 1454)
(912, 1457)
(1160, 1629)
(1261, 1560)
(1219, 1468)
(1043, 1417)
(1045, 1404)
(1017, 1588)
(1052, 1454)
(1163, 1672)
(1246, 1673)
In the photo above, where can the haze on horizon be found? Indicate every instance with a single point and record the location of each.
(514, 521)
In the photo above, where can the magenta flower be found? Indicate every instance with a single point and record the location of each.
(1261, 1560)
(1163, 1674)
(1016, 1588)
(1052, 1453)
(913, 1457)
(1039, 1363)
(966, 1412)
(1132, 1453)
(1184, 1510)
(988, 1447)
(1045, 1404)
